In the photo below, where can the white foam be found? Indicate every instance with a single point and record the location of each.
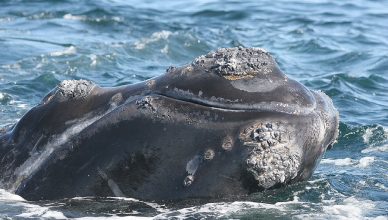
(365, 161)
(34, 211)
(223, 209)
(156, 206)
(67, 51)
(28, 210)
(338, 162)
(369, 133)
(19, 104)
(114, 218)
(164, 49)
(349, 208)
(15, 66)
(381, 186)
(383, 148)
(5, 19)
(22, 105)
(74, 17)
(93, 58)
(7, 196)
(117, 19)
(161, 35)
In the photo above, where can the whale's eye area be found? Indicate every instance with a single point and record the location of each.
(237, 63)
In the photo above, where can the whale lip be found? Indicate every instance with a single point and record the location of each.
(219, 103)
(207, 104)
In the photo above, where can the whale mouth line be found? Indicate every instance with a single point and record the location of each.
(209, 104)
(237, 107)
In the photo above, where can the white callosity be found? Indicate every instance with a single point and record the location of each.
(270, 160)
(237, 63)
(273, 166)
(74, 88)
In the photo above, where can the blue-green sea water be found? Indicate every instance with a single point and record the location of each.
(339, 47)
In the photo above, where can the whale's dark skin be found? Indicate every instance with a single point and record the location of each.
(230, 123)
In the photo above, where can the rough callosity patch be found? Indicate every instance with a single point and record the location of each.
(75, 88)
(145, 103)
(237, 63)
(271, 161)
(276, 165)
(263, 135)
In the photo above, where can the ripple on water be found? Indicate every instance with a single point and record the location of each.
(362, 162)
(4, 98)
(227, 15)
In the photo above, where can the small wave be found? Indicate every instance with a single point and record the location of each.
(75, 17)
(157, 36)
(7, 196)
(42, 15)
(365, 161)
(103, 18)
(35, 211)
(362, 162)
(381, 186)
(5, 98)
(313, 46)
(361, 136)
(93, 59)
(67, 51)
(19, 104)
(229, 15)
(5, 19)
(383, 148)
(115, 217)
(375, 135)
(338, 162)
(23, 209)
(13, 66)
(223, 210)
(350, 208)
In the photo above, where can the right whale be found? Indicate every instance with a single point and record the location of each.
(229, 123)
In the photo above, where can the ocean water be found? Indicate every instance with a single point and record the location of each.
(339, 47)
